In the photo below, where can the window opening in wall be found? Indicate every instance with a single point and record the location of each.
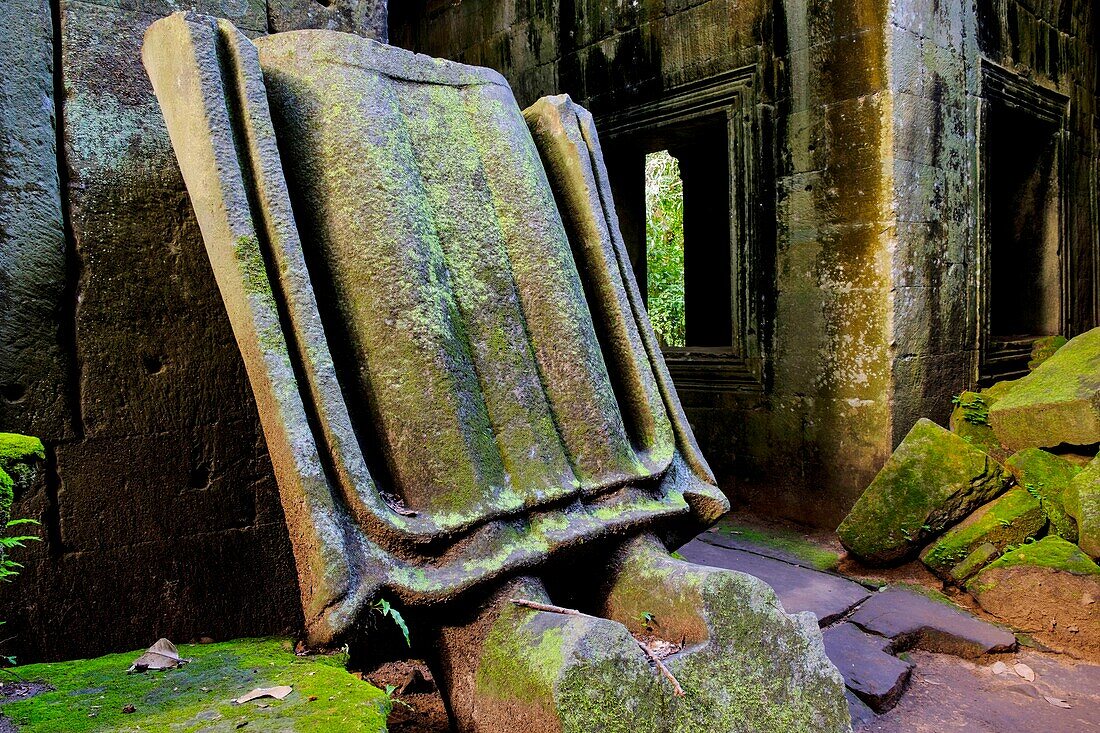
(689, 281)
(1024, 235)
(664, 230)
(683, 172)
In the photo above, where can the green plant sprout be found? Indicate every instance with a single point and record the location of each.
(384, 608)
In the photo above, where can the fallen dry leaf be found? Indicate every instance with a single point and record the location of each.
(162, 655)
(129, 708)
(1024, 671)
(276, 692)
(999, 668)
(1057, 702)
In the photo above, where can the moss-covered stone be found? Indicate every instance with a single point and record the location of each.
(786, 543)
(1082, 502)
(979, 557)
(747, 666)
(1008, 520)
(970, 419)
(1057, 403)
(19, 456)
(1049, 552)
(1047, 588)
(1043, 349)
(89, 695)
(932, 480)
(1046, 477)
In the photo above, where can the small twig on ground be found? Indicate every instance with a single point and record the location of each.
(676, 689)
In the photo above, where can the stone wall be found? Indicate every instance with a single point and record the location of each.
(159, 508)
(808, 438)
(871, 289)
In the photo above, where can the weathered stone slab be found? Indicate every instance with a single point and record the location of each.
(826, 596)
(1047, 476)
(1057, 403)
(868, 668)
(970, 419)
(33, 379)
(1007, 520)
(859, 712)
(1082, 502)
(913, 620)
(933, 479)
(1050, 589)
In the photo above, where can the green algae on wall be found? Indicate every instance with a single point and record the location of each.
(88, 696)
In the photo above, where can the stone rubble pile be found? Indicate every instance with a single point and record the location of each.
(1006, 503)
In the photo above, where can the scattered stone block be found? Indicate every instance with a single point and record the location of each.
(1047, 476)
(828, 597)
(1049, 589)
(932, 480)
(1007, 520)
(1057, 403)
(746, 665)
(869, 670)
(970, 419)
(975, 561)
(913, 620)
(1044, 348)
(1082, 502)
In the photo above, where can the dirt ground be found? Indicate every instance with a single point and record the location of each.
(951, 694)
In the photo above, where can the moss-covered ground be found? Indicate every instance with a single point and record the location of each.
(786, 541)
(90, 695)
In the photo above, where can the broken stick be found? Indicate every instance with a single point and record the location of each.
(676, 689)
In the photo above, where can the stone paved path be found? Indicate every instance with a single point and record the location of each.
(866, 630)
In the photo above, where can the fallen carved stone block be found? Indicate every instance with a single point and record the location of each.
(459, 385)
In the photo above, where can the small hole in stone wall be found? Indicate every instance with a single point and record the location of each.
(152, 364)
(324, 3)
(199, 478)
(13, 393)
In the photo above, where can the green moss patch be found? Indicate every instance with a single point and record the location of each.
(1043, 349)
(90, 695)
(15, 448)
(785, 541)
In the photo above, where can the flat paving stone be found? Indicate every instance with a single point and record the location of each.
(913, 620)
(799, 589)
(862, 716)
(734, 542)
(869, 670)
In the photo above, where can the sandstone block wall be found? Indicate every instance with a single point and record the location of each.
(159, 508)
